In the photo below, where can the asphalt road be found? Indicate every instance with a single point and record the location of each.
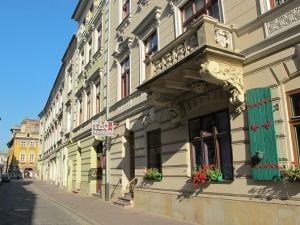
(21, 203)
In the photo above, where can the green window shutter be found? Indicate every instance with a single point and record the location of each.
(262, 134)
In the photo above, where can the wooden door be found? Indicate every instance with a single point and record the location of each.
(132, 156)
(99, 152)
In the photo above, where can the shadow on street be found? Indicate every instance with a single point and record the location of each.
(16, 203)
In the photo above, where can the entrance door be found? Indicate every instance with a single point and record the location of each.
(99, 151)
(132, 164)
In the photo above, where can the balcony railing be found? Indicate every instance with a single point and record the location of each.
(205, 31)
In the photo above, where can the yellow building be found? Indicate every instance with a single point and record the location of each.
(24, 149)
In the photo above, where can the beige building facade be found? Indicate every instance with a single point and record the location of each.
(188, 84)
(184, 73)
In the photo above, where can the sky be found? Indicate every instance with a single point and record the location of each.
(34, 35)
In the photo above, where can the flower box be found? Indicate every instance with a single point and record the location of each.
(206, 174)
(152, 174)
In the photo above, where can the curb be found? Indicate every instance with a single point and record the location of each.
(90, 221)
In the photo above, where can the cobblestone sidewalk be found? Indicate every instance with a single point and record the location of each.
(97, 211)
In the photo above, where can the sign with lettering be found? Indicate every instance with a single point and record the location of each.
(104, 128)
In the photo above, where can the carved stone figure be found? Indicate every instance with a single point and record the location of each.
(229, 77)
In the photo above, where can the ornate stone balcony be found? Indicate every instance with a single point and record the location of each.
(203, 58)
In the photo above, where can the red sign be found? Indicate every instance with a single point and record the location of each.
(104, 128)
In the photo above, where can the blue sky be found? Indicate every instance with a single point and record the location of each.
(34, 35)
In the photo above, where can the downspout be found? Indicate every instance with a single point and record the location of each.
(107, 139)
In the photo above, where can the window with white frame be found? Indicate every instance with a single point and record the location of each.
(32, 144)
(125, 78)
(151, 46)
(31, 157)
(98, 97)
(147, 32)
(193, 9)
(90, 49)
(22, 157)
(88, 105)
(82, 60)
(125, 8)
(99, 36)
(80, 113)
(23, 144)
(266, 5)
(69, 120)
(70, 81)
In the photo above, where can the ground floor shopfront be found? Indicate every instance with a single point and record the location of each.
(86, 166)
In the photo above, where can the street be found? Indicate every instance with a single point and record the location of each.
(32, 202)
(21, 203)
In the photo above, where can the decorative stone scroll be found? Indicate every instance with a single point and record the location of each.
(223, 38)
(290, 17)
(230, 77)
(123, 47)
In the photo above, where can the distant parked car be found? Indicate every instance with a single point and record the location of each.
(5, 177)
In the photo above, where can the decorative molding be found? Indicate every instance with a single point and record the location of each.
(223, 38)
(230, 77)
(120, 29)
(142, 3)
(123, 48)
(150, 22)
(176, 54)
(287, 19)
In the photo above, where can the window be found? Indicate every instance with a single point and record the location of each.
(22, 157)
(125, 76)
(69, 120)
(154, 149)
(69, 82)
(80, 112)
(82, 60)
(32, 144)
(151, 46)
(99, 32)
(97, 97)
(23, 144)
(211, 142)
(31, 157)
(267, 5)
(88, 105)
(193, 9)
(294, 113)
(90, 49)
(125, 8)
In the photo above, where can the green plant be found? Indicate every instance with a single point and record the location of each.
(291, 174)
(153, 174)
(204, 174)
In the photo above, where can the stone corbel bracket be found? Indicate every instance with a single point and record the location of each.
(230, 77)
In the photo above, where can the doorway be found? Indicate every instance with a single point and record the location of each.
(132, 156)
(100, 165)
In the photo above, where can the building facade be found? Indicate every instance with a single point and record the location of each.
(202, 83)
(24, 149)
(55, 122)
(189, 84)
(85, 163)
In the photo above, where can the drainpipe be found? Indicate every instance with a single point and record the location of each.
(107, 139)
